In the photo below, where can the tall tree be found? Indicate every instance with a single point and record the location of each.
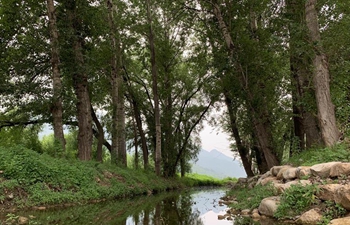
(56, 108)
(158, 147)
(80, 78)
(321, 78)
(118, 112)
(306, 127)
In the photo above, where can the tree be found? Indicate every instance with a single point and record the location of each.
(56, 108)
(80, 78)
(321, 78)
(158, 146)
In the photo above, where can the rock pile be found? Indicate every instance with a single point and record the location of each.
(333, 180)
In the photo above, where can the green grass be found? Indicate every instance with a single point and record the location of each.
(295, 200)
(39, 179)
(195, 179)
(251, 198)
(339, 152)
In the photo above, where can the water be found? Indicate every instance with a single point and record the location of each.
(199, 207)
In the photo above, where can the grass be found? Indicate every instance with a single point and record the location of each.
(195, 179)
(39, 179)
(251, 198)
(339, 152)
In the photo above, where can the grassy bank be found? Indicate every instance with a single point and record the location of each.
(28, 178)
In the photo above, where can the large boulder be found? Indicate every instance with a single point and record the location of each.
(268, 206)
(311, 217)
(323, 170)
(282, 187)
(281, 172)
(276, 169)
(328, 191)
(267, 180)
(342, 196)
(303, 171)
(341, 169)
(340, 221)
(290, 173)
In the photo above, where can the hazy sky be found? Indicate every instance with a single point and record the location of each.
(215, 138)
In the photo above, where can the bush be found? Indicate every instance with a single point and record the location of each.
(295, 200)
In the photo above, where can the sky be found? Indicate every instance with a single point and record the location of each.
(215, 138)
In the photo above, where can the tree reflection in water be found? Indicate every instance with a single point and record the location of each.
(163, 209)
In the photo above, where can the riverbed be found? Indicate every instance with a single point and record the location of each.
(192, 207)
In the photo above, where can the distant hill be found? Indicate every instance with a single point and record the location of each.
(218, 165)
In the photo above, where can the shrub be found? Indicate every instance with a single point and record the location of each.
(295, 200)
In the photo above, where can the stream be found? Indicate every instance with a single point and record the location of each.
(194, 207)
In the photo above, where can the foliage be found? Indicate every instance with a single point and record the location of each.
(314, 156)
(192, 180)
(251, 198)
(295, 200)
(332, 210)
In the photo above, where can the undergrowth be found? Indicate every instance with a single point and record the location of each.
(38, 179)
(251, 198)
(295, 200)
(339, 152)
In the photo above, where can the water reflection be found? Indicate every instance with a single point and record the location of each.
(195, 208)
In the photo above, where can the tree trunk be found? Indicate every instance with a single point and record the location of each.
(158, 147)
(305, 123)
(136, 160)
(80, 83)
(261, 125)
(242, 150)
(321, 79)
(118, 113)
(100, 137)
(142, 134)
(56, 108)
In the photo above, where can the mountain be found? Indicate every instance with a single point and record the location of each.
(216, 164)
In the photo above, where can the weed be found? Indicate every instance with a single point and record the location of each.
(251, 198)
(295, 200)
(332, 210)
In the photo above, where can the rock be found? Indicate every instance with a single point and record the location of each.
(255, 215)
(221, 217)
(327, 192)
(282, 187)
(290, 173)
(268, 206)
(23, 220)
(267, 180)
(311, 217)
(342, 196)
(242, 180)
(276, 169)
(303, 171)
(255, 211)
(323, 170)
(10, 197)
(245, 212)
(341, 221)
(342, 169)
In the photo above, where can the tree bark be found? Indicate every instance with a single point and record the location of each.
(100, 136)
(321, 78)
(261, 125)
(118, 112)
(242, 150)
(158, 147)
(305, 123)
(80, 83)
(56, 109)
